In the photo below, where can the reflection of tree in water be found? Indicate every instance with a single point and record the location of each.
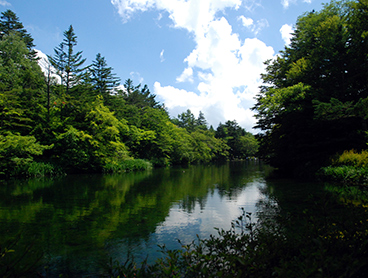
(75, 214)
(189, 203)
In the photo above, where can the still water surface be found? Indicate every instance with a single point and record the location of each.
(79, 222)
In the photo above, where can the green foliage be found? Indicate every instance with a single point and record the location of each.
(105, 130)
(41, 169)
(67, 62)
(9, 23)
(21, 86)
(345, 174)
(17, 153)
(186, 120)
(102, 78)
(241, 144)
(137, 96)
(73, 149)
(349, 193)
(127, 166)
(94, 125)
(349, 167)
(352, 158)
(312, 104)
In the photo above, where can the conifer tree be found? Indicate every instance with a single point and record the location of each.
(102, 78)
(134, 95)
(9, 23)
(67, 63)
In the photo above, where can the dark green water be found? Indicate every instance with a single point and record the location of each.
(77, 223)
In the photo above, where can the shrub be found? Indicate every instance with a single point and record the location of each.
(344, 173)
(127, 166)
(41, 169)
(352, 158)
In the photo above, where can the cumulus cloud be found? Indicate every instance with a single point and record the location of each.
(4, 3)
(187, 75)
(286, 33)
(225, 70)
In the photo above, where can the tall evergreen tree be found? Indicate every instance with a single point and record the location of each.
(9, 23)
(102, 78)
(140, 97)
(68, 63)
(201, 121)
(186, 120)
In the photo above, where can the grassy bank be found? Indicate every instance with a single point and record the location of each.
(351, 167)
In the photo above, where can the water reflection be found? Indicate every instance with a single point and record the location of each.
(81, 221)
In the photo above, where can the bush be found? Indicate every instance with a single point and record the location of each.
(17, 153)
(352, 158)
(344, 173)
(349, 167)
(41, 169)
(127, 166)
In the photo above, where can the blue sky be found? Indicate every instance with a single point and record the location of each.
(203, 55)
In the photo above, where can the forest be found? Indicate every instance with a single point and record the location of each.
(70, 117)
(313, 104)
(74, 117)
(312, 113)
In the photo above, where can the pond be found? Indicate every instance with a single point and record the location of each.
(75, 224)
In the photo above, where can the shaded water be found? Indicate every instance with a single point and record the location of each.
(77, 223)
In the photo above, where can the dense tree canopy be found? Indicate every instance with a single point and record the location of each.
(82, 120)
(310, 106)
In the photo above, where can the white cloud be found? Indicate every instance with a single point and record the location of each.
(4, 3)
(286, 3)
(247, 22)
(187, 75)
(227, 69)
(162, 55)
(254, 27)
(127, 7)
(286, 33)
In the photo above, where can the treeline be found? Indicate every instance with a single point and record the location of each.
(75, 117)
(314, 102)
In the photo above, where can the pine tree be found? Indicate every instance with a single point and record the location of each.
(102, 78)
(201, 121)
(134, 95)
(9, 23)
(67, 63)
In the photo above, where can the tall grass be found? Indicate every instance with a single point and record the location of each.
(345, 174)
(127, 166)
(35, 169)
